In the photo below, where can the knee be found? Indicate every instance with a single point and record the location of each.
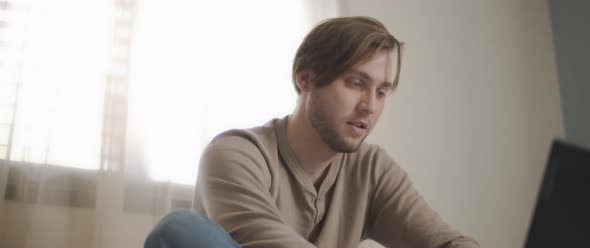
(176, 229)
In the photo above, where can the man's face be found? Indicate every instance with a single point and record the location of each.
(345, 111)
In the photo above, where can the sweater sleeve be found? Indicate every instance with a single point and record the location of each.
(400, 217)
(233, 190)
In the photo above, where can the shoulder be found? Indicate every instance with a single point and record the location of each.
(253, 140)
(372, 161)
(239, 151)
(371, 154)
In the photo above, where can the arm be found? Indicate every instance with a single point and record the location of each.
(399, 215)
(233, 188)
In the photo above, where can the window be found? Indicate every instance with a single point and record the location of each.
(141, 85)
(53, 67)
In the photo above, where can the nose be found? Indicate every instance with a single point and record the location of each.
(368, 103)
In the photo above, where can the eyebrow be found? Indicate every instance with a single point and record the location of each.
(367, 77)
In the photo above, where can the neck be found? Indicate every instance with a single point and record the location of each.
(312, 153)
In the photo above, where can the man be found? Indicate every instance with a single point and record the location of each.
(308, 179)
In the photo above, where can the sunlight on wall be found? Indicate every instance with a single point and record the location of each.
(208, 68)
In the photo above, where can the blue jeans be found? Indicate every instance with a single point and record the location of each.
(184, 228)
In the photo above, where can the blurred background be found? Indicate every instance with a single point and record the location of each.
(106, 105)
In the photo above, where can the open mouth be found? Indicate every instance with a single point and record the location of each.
(358, 124)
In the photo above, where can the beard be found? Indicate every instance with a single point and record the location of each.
(328, 130)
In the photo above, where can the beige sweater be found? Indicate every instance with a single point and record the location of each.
(252, 185)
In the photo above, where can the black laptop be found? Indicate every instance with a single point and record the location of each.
(562, 214)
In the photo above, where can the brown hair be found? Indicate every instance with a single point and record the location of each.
(337, 44)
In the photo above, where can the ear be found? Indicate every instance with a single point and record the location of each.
(304, 80)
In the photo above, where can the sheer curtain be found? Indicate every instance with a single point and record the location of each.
(105, 106)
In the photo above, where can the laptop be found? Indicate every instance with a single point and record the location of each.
(562, 213)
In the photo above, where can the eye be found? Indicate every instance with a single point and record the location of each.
(355, 84)
(383, 92)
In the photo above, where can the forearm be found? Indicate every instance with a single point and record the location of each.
(400, 216)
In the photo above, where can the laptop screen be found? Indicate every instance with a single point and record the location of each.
(562, 213)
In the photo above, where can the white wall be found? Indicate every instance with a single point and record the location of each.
(477, 107)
